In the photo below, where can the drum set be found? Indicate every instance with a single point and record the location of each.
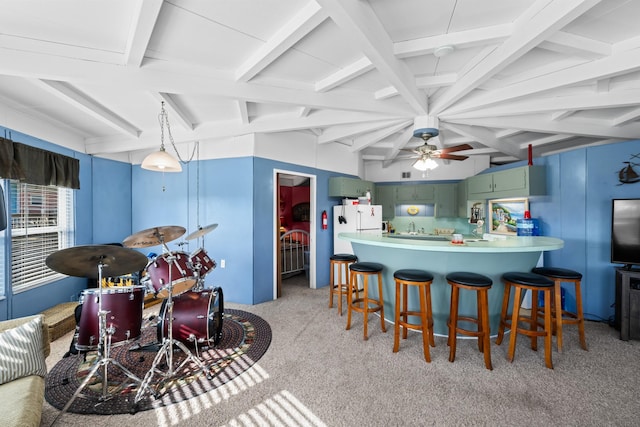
(190, 315)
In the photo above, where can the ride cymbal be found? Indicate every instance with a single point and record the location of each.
(154, 236)
(201, 231)
(83, 261)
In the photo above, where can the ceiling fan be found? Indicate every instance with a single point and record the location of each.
(427, 152)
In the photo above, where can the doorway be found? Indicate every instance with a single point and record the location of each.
(294, 230)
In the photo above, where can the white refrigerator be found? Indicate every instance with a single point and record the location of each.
(354, 219)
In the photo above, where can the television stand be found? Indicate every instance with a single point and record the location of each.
(628, 303)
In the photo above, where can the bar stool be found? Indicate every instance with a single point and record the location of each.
(422, 279)
(534, 283)
(341, 285)
(560, 275)
(481, 285)
(365, 305)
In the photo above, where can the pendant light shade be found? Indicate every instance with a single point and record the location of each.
(161, 161)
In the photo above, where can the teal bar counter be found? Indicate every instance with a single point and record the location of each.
(440, 257)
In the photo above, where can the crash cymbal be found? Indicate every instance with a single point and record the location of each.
(154, 236)
(201, 231)
(83, 261)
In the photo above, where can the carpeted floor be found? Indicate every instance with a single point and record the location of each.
(245, 338)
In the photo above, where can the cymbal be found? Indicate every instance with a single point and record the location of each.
(201, 231)
(83, 261)
(154, 236)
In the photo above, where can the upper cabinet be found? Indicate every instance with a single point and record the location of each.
(518, 182)
(415, 193)
(446, 196)
(349, 187)
(386, 196)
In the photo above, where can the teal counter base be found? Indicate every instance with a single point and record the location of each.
(439, 258)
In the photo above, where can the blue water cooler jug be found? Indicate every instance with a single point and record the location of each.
(528, 226)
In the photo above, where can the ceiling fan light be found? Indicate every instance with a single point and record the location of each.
(161, 161)
(423, 164)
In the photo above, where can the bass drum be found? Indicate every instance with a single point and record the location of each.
(123, 305)
(197, 318)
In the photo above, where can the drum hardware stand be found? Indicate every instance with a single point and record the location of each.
(167, 347)
(104, 349)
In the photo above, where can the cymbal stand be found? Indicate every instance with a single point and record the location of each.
(104, 349)
(166, 350)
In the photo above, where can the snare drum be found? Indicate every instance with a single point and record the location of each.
(124, 315)
(197, 317)
(201, 262)
(182, 275)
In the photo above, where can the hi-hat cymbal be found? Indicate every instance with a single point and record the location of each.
(83, 261)
(154, 236)
(201, 231)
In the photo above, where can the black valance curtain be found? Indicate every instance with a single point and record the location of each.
(37, 166)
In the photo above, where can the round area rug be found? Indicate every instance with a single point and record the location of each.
(245, 338)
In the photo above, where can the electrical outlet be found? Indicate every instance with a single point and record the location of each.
(222, 263)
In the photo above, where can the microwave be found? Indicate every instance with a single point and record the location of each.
(385, 226)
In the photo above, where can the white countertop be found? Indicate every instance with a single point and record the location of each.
(500, 244)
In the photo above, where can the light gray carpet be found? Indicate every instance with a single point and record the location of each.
(316, 373)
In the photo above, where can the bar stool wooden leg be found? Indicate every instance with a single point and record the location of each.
(381, 300)
(557, 291)
(352, 282)
(503, 313)
(453, 322)
(583, 340)
(396, 319)
(483, 313)
(427, 332)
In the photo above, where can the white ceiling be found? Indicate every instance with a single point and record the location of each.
(556, 74)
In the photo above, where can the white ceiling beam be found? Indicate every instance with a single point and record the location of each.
(342, 76)
(288, 35)
(578, 127)
(628, 117)
(575, 45)
(338, 133)
(559, 115)
(243, 111)
(367, 140)
(539, 21)
(386, 93)
(158, 76)
(460, 40)
(551, 104)
(147, 12)
(617, 64)
(546, 140)
(488, 138)
(361, 26)
(507, 133)
(428, 82)
(75, 98)
(220, 130)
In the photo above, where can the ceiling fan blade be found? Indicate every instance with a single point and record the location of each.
(448, 156)
(455, 148)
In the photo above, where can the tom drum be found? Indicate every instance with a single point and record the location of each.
(200, 261)
(182, 275)
(197, 317)
(123, 305)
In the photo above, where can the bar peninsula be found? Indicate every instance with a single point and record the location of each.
(439, 256)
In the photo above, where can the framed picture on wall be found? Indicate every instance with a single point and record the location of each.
(504, 215)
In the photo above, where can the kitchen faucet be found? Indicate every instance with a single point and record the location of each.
(413, 227)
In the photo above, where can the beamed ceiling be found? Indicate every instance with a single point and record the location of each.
(553, 74)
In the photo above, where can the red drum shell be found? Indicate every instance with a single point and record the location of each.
(182, 275)
(201, 257)
(197, 317)
(123, 305)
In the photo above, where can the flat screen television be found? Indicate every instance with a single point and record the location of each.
(625, 232)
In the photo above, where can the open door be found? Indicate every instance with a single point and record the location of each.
(294, 205)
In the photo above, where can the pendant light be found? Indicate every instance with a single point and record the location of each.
(161, 161)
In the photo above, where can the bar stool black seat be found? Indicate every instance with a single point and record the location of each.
(339, 286)
(422, 280)
(481, 285)
(561, 316)
(535, 283)
(365, 304)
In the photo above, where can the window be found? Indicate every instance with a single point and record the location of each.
(41, 224)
